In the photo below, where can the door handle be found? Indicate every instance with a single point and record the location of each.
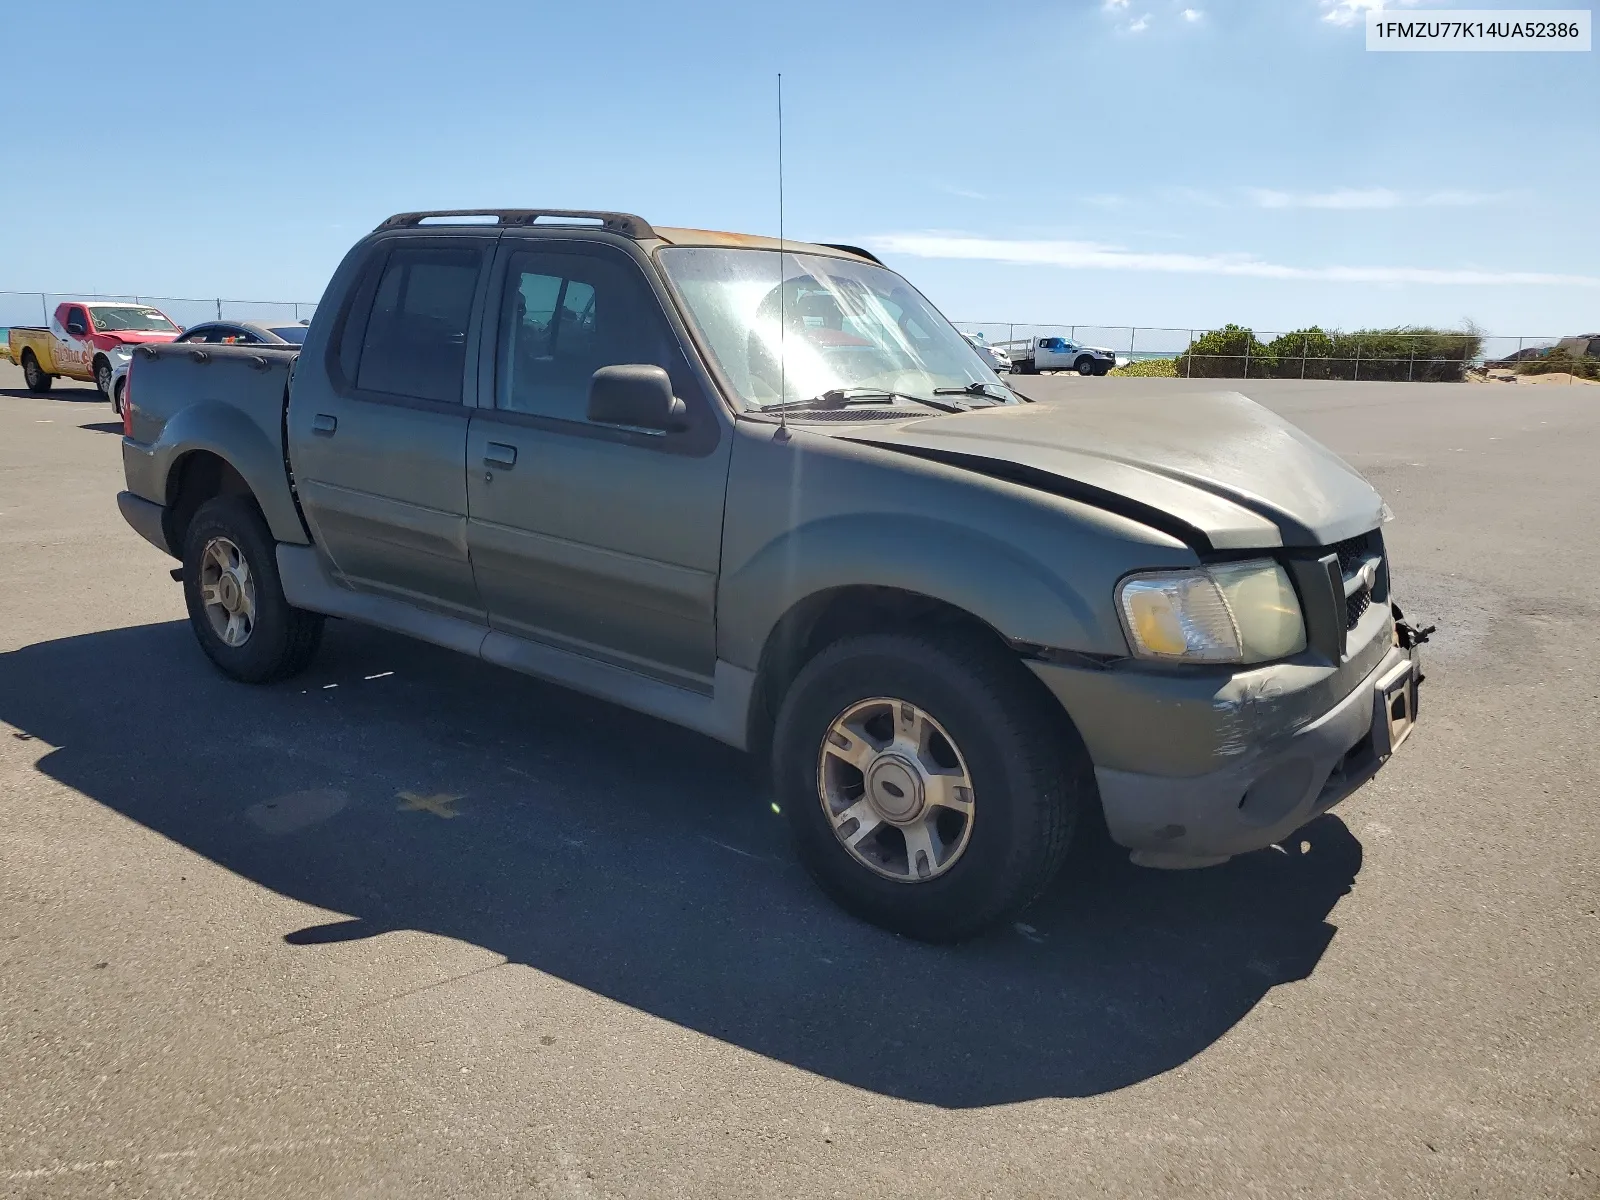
(498, 454)
(324, 424)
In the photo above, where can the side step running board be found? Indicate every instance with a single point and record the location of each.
(723, 715)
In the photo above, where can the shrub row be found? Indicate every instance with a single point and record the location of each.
(1415, 353)
(1148, 368)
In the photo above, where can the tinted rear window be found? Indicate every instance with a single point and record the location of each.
(291, 333)
(416, 337)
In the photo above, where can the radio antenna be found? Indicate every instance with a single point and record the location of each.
(783, 314)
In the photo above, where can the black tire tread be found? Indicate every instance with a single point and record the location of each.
(292, 635)
(1055, 767)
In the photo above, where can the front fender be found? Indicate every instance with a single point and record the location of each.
(996, 582)
(218, 428)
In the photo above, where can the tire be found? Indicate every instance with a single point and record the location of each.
(116, 396)
(102, 377)
(33, 374)
(278, 639)
(1029, 777)
(1085, 365)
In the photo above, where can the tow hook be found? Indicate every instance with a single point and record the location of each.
(1407, 636)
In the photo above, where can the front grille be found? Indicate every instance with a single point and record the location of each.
(1353, 552)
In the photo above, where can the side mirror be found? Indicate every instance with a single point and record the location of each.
(635, 395)
(77, 328)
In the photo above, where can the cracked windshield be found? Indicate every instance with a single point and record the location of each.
(835, 324)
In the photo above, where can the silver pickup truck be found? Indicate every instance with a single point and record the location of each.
(774, 496)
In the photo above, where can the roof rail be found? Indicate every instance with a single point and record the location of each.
(615, 222)
(866, 254)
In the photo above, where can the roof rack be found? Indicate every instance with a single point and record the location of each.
(866, 254)
(615, 222)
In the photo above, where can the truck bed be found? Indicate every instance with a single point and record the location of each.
(229, 400)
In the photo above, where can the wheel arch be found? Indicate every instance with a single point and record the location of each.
(833, 614)
(196, 476)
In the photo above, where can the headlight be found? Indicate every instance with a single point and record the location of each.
(1238, 612)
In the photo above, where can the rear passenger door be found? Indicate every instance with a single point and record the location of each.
(379, 436)
(597, 539)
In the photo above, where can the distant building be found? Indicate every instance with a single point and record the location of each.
(1584, 343)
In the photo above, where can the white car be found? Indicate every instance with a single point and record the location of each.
(997, 358)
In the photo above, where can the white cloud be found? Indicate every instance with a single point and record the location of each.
(1095, 256)
(1353, 12)
(1372, 198)
(1140, 25)
(1191, 15)
(1115, 6)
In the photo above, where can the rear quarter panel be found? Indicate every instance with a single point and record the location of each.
(223, 400)
(37, 340)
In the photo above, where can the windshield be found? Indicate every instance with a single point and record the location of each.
(290, 333)
(835, 324)
(136, 320)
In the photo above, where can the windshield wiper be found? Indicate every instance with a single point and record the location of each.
(976, 389)
(844, 397)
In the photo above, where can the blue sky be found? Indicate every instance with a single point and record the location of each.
(1158, 162)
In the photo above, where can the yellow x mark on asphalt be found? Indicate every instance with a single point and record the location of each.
(441, 804)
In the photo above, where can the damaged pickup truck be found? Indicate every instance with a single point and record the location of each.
(770, 494)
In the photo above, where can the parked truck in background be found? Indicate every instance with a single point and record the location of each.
(778, 499)
(87, 340)
(1050, 352)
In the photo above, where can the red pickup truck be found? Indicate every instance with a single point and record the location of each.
(85, 340)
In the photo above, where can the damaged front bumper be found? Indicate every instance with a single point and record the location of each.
(1194, 769)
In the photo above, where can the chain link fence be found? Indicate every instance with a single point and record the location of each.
(1416, 355)
(1229, 352)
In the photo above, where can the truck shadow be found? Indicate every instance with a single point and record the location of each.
(645, 864)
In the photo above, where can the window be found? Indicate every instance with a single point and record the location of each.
(78, 315)
(230, 335)
(566, 315)
(415, 342)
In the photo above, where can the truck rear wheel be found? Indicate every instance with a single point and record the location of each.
(926, 783)
(236, 603)
(102, 377)
(33, 374)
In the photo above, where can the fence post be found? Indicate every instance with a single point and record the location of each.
(219, 308)
(1411, 367)
(1358, 362)
(1305, 348)
(1250, 336)
(1133, 337)
(1188, 357)
(44, 308)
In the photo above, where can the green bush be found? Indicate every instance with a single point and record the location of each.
(1409, 353)
(1148, 368)
(1232, 352)
(1303, 354)
(1581, 365)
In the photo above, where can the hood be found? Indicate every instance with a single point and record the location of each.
(1216, 469)
(131, 337)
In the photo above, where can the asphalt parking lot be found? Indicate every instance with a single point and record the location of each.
(414, 926)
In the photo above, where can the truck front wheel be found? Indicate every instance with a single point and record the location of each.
(236, 603)
(1085, 365)
(928, 787)
(102, 377)
(33, 374)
